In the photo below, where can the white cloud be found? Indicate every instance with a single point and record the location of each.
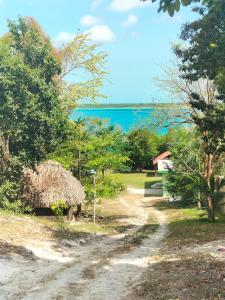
(131, 21)
(63, 38)
(126, 5)
(101, 34)
(89, 20)
(96, 3)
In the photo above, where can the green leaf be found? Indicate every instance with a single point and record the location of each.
(177, 5)
(186, 2)
(171, 10)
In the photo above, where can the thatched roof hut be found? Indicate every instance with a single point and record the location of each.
(51, 182)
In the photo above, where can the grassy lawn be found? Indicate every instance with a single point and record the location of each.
(138, 180)
(14, 226)
(190, 226)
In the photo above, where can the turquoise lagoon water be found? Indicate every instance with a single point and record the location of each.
(126, 118)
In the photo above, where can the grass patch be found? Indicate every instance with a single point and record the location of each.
(190, 226)
(141, 180)
(18, 226)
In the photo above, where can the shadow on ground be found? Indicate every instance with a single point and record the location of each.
(196, 277)
(7, 250)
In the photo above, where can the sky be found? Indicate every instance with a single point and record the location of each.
(136, 37)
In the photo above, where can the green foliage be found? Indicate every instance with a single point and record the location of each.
(36, 99)
(9, 194)
(81, 58)
(186, 180)
(172, 6)
(106, 187)
(92, 145)
(166, 142)
(142, 148)
(204, 59)
(32, 118)
(15, 207)
(187, 187)
(205, 36)
(108, 147)
(58, 207)
(9, 191)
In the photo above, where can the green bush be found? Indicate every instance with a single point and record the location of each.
(58, 207)
(106, 187)
(16, 206)
(9, 191)
(9, 198)
(184, 186)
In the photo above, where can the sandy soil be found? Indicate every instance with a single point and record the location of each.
(111, 267)
(102, 268)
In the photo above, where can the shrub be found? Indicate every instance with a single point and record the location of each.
(184, 186)
(9, 191)
(16, 206)
(106, 187)
(58, 207)
(9, 198)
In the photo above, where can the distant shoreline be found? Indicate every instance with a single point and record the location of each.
(132, 105)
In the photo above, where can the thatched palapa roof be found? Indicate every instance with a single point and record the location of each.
(48, 183)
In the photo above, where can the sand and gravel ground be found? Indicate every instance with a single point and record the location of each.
(105, 267)
(99, 267)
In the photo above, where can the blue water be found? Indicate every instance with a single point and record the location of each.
(126, 118)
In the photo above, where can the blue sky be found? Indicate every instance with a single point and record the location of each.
(136, 37)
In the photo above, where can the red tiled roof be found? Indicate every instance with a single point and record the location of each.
(161, 156)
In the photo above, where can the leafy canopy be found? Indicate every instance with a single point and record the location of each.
(204, 58)
(172, 6)
(32, 119)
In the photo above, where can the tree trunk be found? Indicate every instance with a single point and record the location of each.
(5, 155)
(208, 197)
(211, 214)
(199, 205)
(79, 166)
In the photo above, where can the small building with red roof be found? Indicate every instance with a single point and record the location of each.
(162, 163)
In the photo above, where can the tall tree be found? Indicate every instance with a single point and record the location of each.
(142, 148)
(92, 144)
(32, 119)
(36, 105)
(201, 85)
(81, 58)
(204, 58)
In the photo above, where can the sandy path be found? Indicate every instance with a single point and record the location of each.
(97, 271)
(112, 281)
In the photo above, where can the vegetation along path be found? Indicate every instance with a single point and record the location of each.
(103, 269)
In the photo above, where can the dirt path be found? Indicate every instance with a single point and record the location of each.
(99, 271)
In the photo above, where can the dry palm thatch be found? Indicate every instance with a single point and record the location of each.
(51, 182)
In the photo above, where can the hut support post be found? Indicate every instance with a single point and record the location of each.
(78, 212)
(70, 215)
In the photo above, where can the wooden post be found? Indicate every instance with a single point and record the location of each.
(70, 215)
(94, 204)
